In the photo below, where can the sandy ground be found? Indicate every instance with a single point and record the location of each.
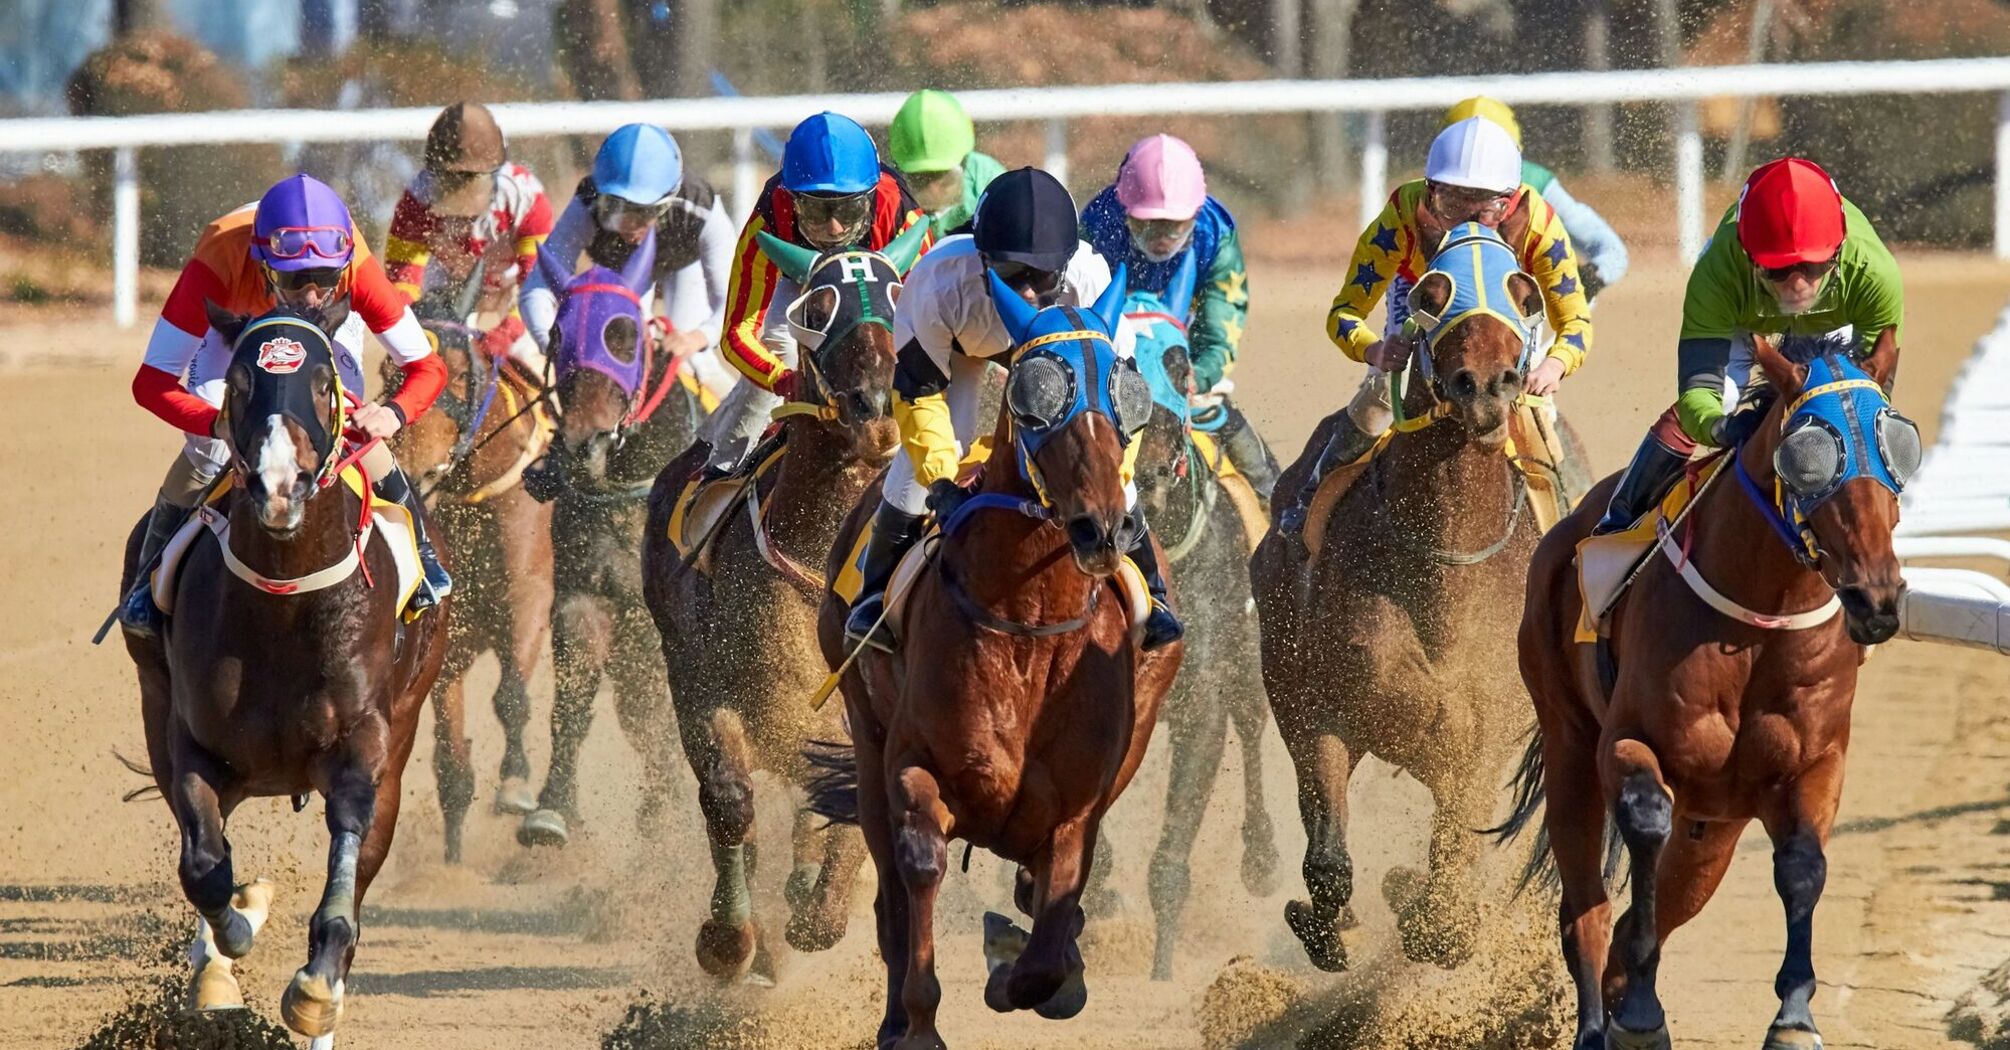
(550, 950)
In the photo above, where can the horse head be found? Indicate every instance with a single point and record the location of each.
(597, 354)
(1161, 351)
(1477, 312)
(282, 407)
(843, 324)
(1841, 455)
(1075, 407)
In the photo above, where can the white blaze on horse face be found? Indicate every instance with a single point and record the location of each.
(278, 461)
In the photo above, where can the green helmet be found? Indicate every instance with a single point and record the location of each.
(930, 133)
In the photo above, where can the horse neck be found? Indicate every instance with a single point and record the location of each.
(1733, 544)
(1013, 564)
(1444, 488)
(327, 531)
(817, 481)
(651, 443)
(506, 432)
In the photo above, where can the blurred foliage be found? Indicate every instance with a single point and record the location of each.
(183, 188)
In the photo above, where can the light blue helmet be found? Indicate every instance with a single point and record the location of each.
(639, 163)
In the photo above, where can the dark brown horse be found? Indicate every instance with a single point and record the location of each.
(286, 668)
(1703, 713)
(1019, 703)
(470, 452)
(738, 620)
(625, 414)
(1388, 640)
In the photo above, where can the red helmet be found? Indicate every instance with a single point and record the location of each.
(1790, 212)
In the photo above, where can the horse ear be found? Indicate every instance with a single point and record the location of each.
(227, 324)
(793, 260)
(640, 271)
(1110, 305)
(1432, 294)
(1785, 376)
(1178, 365)
(334, 316)
(906, 248)
(1882, 365)
(1179, 290)
(1013, 309)
(557, 272)
(1527, 294)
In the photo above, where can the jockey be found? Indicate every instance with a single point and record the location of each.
(831, 193)
(934, 145)
(1473, 174)
(1158, 211)
(948, 331)
(470, 214)
(296, 247)
(639, 182)
(1791, 257)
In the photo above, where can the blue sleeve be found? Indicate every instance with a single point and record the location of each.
(1590, 234)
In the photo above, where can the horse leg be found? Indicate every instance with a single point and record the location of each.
(642, 706)
(453, 761)
(526, 595)
(230, 915)
(582, 632)
(1799, 827)
(720, 756)
(1047, 977)
(920, 859)
(1440, 924)
(1644, 811)
(889, 903)
(358, 810)
(1323, 766)
(820, 889)
(511, 703)
(1198, 727)
(1248, 713)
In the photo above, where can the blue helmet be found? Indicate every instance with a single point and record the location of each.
(830, 153)
(638, 163)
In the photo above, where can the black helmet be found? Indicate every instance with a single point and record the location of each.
(1027, 217)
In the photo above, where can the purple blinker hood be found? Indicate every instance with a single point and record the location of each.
(589, 302)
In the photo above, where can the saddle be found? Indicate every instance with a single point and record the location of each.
(702, 507)
(389, 521)
(1241, 494)
(1533, 448)
(1608, 564)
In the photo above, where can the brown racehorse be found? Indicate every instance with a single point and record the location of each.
(1389, 641)
(738, 624)
(469, 453)
(1018, 705)
(291, 685)
(1692, 723)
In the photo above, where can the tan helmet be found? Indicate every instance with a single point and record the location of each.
(465, 138)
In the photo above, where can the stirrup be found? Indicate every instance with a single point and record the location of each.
(866, 624)
(1162, 628)
(138, 614)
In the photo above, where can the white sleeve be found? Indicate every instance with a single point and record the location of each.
(406, 340)
(1089, 275)
(170, 349)
(923, 320)
(538, 302)
(685, 306)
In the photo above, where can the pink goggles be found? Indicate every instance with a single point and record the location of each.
(294, 242)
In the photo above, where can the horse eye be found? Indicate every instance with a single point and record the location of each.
(1898, 443)
(1810, 458)
(1039, 392)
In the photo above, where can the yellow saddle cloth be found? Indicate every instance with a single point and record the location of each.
(703, 505)
(1241, 494)
(1605, 564)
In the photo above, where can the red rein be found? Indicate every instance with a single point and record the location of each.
(647, 406)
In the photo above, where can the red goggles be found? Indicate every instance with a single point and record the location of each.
(293, 242)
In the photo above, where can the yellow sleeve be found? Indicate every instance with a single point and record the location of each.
(928, 436)
(1554, 264)
(1376, 256)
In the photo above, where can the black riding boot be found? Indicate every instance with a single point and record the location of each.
(893, 532)
(1161, 627)
(1346, 444)
(137, 614)
(1648, 478)
(1245, 448)
(398, 489)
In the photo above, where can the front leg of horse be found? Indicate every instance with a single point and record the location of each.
(1047, 976)
(312, 1003)
(1645, 812)
(230, 915)
(453, 765)
(642, 706)
(1439, 922)
(1800, 870)
(1324, 766)
(1198, 726)
(921, 859)
(819, 889)
(582, 634)
(720, 756)
(512, 707)
(1248, 713)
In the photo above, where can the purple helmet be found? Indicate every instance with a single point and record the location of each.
(302, 224)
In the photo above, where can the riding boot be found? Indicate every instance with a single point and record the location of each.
(1648, 478)
(893, 532)
(437, 585)
(138, 614)
(1161, 627)
(1346, 444)
(1246, 449)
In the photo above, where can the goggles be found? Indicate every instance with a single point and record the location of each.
(849, 211)
(1145, 231)
(1021, 277)
(1813, 271)
(1465, 204)
(294, 242)
(626, 217)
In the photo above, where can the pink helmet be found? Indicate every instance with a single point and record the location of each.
(1161, 179)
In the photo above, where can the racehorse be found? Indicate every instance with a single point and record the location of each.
(1700, 714)
(286, 668)
(1018, 703)
(1209, 543)
(1387, 639)
(470, 452)
(737, 608)
(624, 414)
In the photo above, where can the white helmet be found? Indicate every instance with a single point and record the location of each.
(1475, 153)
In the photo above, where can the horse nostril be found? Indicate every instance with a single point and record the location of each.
(1085, 532)
(1464, 383)
(1510, 380)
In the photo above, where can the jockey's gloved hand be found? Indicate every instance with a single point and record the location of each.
(1593, 282)
(785, 385)
(944, 496)
(541, 480)
(1733, 428)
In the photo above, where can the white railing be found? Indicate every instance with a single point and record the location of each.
(1373, 98)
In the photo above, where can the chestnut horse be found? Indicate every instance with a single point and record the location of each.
(1388, 641)
(738, 617)
(1017, 705)
(282, 672)
(469, 453)
(1699, 714)
(624, 414)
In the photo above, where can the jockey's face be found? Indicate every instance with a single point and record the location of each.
(1798, 286)
(937, 191)
(1037, 287)
(1456, 204)
(828, 222)
(1160, 239)
(305, 290)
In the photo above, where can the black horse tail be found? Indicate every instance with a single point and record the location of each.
(833, 788)
(141, 769)
(1529, 796)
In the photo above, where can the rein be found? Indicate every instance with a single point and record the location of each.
(1517, 501)
(969, 606)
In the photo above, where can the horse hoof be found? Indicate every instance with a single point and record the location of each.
(311, 1006)
(545, 827)
(1402, 886)
(725, 951)
(1778, 1038)
(1004, 942)
(515, 798)
(1321, 940)
(1617, 1038)
(1441, 934)
(801, 886)
(810, 932)
(1259, 869)
(214, 987)
(1067, 1000)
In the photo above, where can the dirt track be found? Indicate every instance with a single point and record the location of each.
(517, 950)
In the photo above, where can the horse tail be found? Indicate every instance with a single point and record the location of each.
(141, 769)
(1529, 797)
(833, 788)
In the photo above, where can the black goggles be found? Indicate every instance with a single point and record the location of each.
(1813, 271)
(318, 277)
(1021, 277)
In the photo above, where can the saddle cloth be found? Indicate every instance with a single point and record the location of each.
(1605, 564)
(1241, 494)
(389, 521)
(1532, 447)
(703, 505)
